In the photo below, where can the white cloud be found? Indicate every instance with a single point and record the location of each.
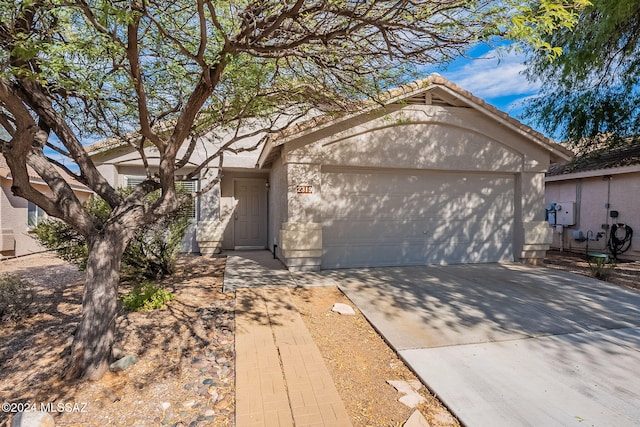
(493, 76)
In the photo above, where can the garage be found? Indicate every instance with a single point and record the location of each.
(374, 218)
(434, 176)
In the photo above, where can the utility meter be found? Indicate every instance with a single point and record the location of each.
(551, 212)
(561, 213)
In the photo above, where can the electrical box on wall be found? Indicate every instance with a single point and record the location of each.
(566, 215)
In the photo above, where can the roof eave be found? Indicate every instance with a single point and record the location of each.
(558, 152)
(593, 173)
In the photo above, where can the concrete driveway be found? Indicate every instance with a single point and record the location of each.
(509, 344)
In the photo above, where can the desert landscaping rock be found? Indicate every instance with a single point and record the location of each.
(412, 399)
(416, 420)
(117, 353)
(403, 387)
(343, 309)
(410, 389)
(124, 363)
(32, 419)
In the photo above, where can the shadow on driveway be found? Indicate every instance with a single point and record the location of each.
(509, 344)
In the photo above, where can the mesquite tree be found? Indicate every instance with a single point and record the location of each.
(591, 94)
(165, 73)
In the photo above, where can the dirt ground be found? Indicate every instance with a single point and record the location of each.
(360, 363)
(185, 373)
(624, 273)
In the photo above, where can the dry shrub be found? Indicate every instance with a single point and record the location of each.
(16, 295)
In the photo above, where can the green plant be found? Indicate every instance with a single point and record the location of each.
(68, 244)
(146, 296)
(150, 255)
(601, 267)
(152, 252)
(16, 295)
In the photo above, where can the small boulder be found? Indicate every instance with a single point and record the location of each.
(402, 386)
(410, 389)
(32, 419)
(124, 363)
(117, 353)
(416, 420)
(343, 309)
(412, 399)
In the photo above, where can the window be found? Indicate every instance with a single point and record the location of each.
(189, 186)
(35, 214)
(132, 181)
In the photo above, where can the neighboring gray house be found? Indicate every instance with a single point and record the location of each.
(437, 176)
(599, 189)
(18, 216)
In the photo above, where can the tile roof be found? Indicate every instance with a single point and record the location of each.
(607, 158)
(404, 92)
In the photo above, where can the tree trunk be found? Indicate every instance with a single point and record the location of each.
(91, 347)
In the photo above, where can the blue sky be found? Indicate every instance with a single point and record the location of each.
(495, 77)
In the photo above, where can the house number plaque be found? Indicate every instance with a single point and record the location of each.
(304, 189)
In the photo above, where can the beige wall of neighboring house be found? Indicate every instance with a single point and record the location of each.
(597, 187)
(15, 239)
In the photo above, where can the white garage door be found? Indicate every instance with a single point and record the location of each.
(385, 219)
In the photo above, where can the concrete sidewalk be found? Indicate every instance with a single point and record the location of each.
(251, 269)
(281, 378)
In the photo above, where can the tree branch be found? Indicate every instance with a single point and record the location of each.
(133, 55)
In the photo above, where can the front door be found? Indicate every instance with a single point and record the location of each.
(250, 218)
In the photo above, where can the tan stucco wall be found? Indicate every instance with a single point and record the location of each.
(277, 201)
(450, 138)
(421, 138)
(14, 217)
(591, 197)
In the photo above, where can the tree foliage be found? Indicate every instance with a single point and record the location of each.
(166, 74)
(592, 90)
(151, 254)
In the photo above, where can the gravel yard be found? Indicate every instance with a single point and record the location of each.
(185, 371)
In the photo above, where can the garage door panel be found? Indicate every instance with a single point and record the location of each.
(433, 231)
(381, 254)
(376, 219)
(457, 208)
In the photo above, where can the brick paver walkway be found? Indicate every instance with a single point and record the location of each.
(281, 378)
